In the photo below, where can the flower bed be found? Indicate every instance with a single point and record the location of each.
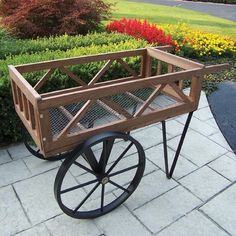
(141, 29)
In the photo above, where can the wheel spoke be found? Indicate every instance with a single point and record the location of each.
(102, 196)
(124, 170)
(119, 158)
(119, 186)
(79, 186)
(91, 159)
(106, 152)
(85, 168)
(85, 199)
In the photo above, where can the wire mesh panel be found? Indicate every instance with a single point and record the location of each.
(105, 110)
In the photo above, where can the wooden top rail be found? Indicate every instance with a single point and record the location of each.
(111, 89)
(83, 59)
(24, 86)
(173, 59)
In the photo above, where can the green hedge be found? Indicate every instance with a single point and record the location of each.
(10, 123)
(11, 46)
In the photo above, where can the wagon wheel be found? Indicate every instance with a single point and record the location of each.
(35, 151)
(109, 179)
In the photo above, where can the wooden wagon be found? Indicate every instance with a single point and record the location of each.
(84, 123)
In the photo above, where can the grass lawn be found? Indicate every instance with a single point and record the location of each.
(163, 14)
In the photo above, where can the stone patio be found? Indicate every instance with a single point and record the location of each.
(199, 200)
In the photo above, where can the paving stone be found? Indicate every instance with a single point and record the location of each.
(225, 166)
(12, 217)
(203, 102)
(18, 150)
(202, 127)
(203, 114)
(222, 209)
(38, 166)
(197, 148)
(37, 230)
(149, 137)
(12, 172)
(65, 225)
(204, 182)
(183, 167)
(151, 186)
(220, 139)
(167, 208)
(4, 156)
(231, 155)
(120, 222)
(195, 224)
(174, 128)
(36, 195)
(182, 118)
(212, 123)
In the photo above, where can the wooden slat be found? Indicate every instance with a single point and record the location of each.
(31, 115)
(168, 91)
(68, 90)
(195, 91)
(116, 107)
(20, 99)
(170, 68)
(72, 75)
(100, 73)
(123, 125)
(24, 86)
(179, 92)
(78, 60)
(25, 106)
(14, 92)
(154, 94)
(76, 118)
(173, 59)
(107, 90)
(109, 109)
(127, 67)
(42, 81)
(159, 67)
(70, 116)
(84, 59)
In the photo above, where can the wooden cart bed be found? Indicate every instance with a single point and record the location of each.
(60, 120)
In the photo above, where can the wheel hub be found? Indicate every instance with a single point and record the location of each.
(105, 180)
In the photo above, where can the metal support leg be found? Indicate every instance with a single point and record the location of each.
(169, 173)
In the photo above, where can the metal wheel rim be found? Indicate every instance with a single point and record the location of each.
(119, 200)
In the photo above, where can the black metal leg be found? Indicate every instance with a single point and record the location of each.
(170, 172)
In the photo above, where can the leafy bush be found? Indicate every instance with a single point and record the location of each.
(38, 18)
(13, 46)
(142, 30)
(10, 123)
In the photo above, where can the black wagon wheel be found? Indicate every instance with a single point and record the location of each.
(105, 177)
(35, 151)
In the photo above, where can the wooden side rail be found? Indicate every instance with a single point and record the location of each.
(95, 92)
(84, 59)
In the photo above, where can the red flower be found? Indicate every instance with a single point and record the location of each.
(141, 30)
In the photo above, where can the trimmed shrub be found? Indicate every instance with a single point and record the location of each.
(10, 123)
(38, 18)
(11, 46)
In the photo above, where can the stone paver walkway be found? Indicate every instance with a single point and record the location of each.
(199, 200)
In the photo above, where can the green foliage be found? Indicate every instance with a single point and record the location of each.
(11, 46)
(10, 123)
